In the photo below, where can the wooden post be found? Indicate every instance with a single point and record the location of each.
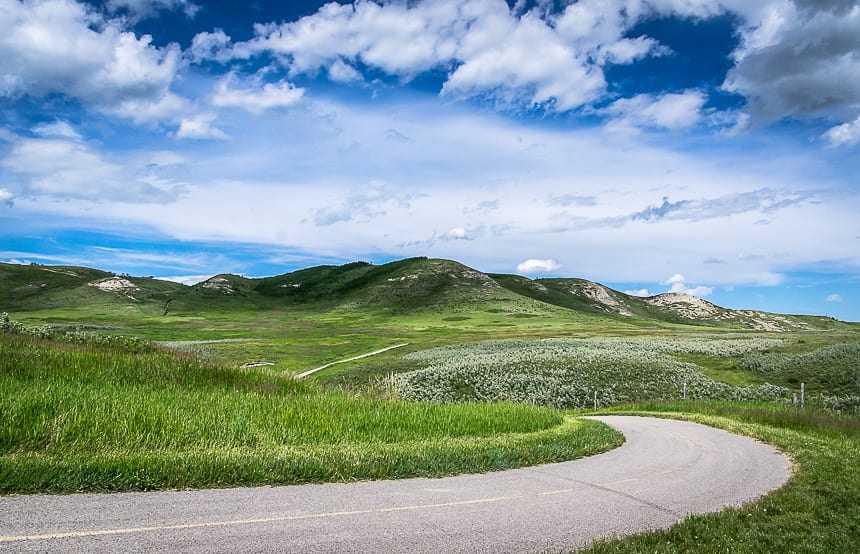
(794, 399)
(595, 400)
(802, 395)
(685, 391)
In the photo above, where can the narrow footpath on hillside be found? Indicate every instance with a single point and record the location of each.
(374, 353)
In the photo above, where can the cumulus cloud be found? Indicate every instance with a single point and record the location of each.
(679, 284)
(522, 62)
(797, 59)
(168, 107)
(209, 46)
(534, 57)
(6, 198)
(638, 292)
(200, 127)
(533, 266)
(343, 73)
(673, 111)
(64, 47)
(256, 98)
(845, 134)
(457, 233)
(834, 298)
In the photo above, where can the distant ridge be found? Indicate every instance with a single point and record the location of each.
(399, 287)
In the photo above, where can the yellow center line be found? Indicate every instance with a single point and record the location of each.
(236, 522)
(277, 519)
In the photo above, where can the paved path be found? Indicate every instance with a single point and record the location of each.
(665, 470)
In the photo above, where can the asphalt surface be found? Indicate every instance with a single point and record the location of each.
(665, 471)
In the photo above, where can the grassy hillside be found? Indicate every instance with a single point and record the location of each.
(586, 296)
(85, 411)
(98, 416)
(403, 288)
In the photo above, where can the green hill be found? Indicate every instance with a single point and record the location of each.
(409, 286)
(587, 296)
(39, 287)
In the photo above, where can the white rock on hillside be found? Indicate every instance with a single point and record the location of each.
(686, 306)
(115, 284)
(601, 295)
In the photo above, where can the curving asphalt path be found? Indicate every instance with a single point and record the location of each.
(665, 470)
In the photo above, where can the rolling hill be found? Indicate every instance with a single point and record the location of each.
(400, 287)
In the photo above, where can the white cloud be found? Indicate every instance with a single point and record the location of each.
(343, 73)
(186, 279)
(169, 107)
(526, 58)
(16, 261)
(797, 59)
(200, 127)
(554, 58)
(522, 62)
(834, 298)
(532, 266)
(363, 204)
(700, 291)
(164, 158)
(255, 99)
(629, 50)
(676, 280)
(210, 46)
(69, 169)
(457, 233)
(64, 47)
(6, 198)
(56, 129)
(608, 225)
(598, 27)
(679, 284)
(845, 134)
(638, 292)
(669, 111)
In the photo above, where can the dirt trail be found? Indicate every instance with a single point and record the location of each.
(374, 353)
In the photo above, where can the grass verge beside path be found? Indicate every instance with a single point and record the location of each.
(97, 417)
(288, 465)
(818, 510)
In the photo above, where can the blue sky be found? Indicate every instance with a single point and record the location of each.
(701, 146)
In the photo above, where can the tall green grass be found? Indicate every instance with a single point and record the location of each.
(82, 416)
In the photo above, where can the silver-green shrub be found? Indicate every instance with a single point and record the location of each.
(567, 372)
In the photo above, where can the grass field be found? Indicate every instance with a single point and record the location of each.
(92, 417)
(478, 387)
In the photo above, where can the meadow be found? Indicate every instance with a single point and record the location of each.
(169, 392)
(111, 415)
